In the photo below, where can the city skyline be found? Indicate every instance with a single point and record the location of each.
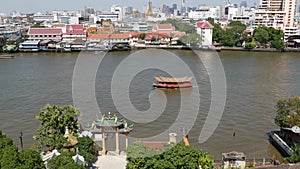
(39, 6)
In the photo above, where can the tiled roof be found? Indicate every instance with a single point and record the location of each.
(119, 36)
(205, 25)
(164, 27)
(75, 29)
(43, 31)
(98, 36)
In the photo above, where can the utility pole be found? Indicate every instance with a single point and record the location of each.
(21, 139)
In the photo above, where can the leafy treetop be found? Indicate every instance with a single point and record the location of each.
(288, 112)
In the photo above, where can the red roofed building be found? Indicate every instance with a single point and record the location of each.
(45, 34)
(73, 32)
(205, 30)
(163, 28)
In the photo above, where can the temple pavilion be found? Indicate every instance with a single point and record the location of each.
(108, 123)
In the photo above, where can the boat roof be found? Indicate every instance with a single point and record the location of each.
(172, 80)
(234, 155)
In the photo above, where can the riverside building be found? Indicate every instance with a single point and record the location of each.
(279, 14)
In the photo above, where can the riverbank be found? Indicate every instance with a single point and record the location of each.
(260, 49)
(177, 47)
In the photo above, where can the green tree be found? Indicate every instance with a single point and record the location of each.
(183, 27)
(30, 159)
(54, 120)
(261, 35)
(190, 39)
(63, 161)
(217, 31)
(85, 146)
(176, 156)
(10, 158)
(288, 112)
(295, 157)
(278, 44)
(143, 36)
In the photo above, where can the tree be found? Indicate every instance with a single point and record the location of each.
(190, 39)
(295, 157)
(63, 161)
(217, 31)
(183, 27)
(175, 156)
(278, 44)
(288, 112)
(30, 159)
(54, 120)
(265, 35)
(10, 157)
(85, 146)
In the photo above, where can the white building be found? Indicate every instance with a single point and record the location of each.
(65, 16)
(205, 12)
(205, 30)
(279, 14)
(229, 11)
(276, 13)
(116, 9)
(140, 27)
(106, 16)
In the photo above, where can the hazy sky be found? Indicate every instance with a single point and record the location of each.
(7, 6)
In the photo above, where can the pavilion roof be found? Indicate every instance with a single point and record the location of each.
(172, 80)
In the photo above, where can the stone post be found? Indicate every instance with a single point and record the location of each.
(117, 142)
(103, 142)
(172, 137)
(126, 140)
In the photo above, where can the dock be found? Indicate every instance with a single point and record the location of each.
(280, 144)
(6, 56)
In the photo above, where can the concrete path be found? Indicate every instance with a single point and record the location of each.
(111, 162)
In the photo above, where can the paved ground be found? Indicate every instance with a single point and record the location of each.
(111, 161)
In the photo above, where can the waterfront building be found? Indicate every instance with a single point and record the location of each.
(279, 14)
(73, 32)
(234, 160)
(45, 34)
(30, 46)
(205, 30)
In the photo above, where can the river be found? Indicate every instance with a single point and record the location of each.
(255, 81)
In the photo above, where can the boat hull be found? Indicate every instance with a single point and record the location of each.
(172, 86)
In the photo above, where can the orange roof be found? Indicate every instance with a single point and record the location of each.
(172, 80)
(98, 36)
(119, 36)
(165, 26)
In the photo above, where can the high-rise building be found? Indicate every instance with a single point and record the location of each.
(279, 14)
(243, 4)
(183, 7)
(276, 13)
(175, 6)
(116, 9)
